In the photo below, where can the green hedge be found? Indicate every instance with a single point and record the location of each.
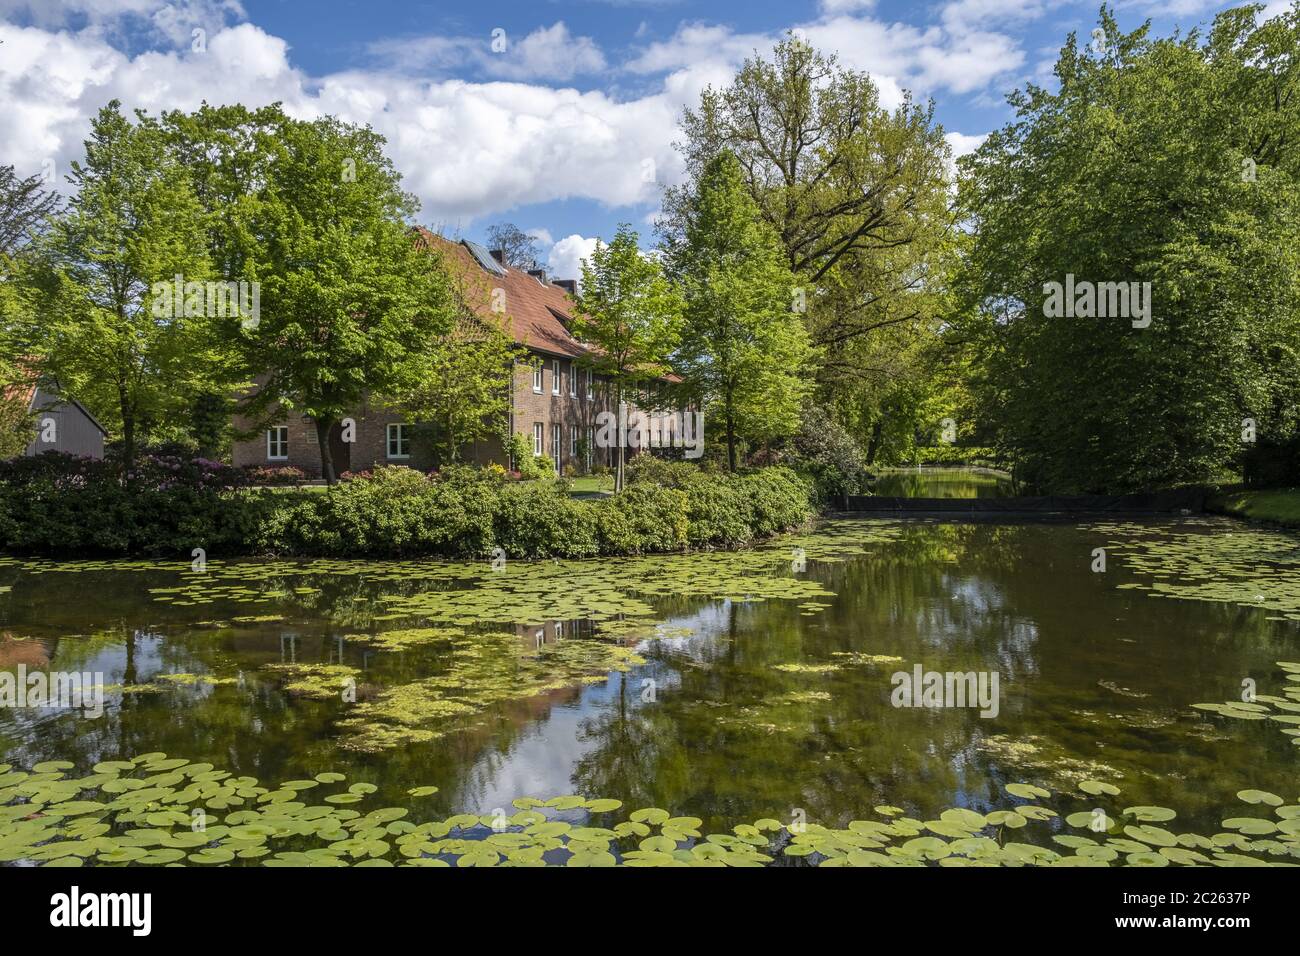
(397, 512)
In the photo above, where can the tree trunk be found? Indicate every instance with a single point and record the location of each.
(618, 438)
(323, 427)
(128, 430)
(873, 446)
(128, 444)
(731, 434)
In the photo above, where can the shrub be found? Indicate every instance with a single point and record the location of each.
(63, 505)
(537, 520)
(830, 456)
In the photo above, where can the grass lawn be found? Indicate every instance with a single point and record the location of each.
(586, 484)
(1278, 505)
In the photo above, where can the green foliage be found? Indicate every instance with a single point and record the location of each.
(858, 195)
(60, 505)
(744, 352)
(829, 455)
(1168, 161)
(26, 207)
(134, 221)
(463, 385)
(350, 301)
(629, 311)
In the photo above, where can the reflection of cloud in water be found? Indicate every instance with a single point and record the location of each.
(973, 611)
(709, 629)
(541, 757)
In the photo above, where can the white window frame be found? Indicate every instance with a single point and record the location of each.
(537, 379)
(591, 444)
(573, 380)
(573, 441)
(538, 444)
(591, 394)
(274, 439)
(398, 431)
(555, 376)
(557, 445)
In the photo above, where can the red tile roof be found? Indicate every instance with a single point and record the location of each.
(24, 384)
(536, 311)
(16, 391)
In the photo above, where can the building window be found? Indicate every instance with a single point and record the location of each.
(573, 380)
(537, 439)
(591, 444)
(537, 378)
(277, 443)
(555, 376)
(573, 441)
(399, 440)
(590, 392)
(556, 447)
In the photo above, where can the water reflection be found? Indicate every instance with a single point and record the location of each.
(943, 483)
(742, 709)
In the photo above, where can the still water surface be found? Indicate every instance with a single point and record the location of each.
(942, 483)
(760, 683)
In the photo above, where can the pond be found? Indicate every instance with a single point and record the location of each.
(942, 483)
(725, 687)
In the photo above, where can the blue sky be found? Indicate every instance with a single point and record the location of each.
(564, 125)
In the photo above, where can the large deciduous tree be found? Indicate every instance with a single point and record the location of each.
(859, 197)
(462, 392)
(350, 299)
(744, 350)
(133, 221)
(517, 247)
(1164, 161)
(628, 310)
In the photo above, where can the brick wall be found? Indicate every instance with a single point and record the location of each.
(553, 411)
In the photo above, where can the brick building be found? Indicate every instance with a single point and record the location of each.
(554, 398)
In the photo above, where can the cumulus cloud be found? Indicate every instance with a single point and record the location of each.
(954, 56)
(565, 258)
(174, 21)
(466, 149)
(548, 53)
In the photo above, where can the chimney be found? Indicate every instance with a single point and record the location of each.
(568, 285)
(538, 274)
(499, 255)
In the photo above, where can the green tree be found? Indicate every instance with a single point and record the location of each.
(857, 194)
(463, 387)
(133, 222)
(1171, 162)
(26, 208)
(743, 350)
(628, 310)
(350, 297)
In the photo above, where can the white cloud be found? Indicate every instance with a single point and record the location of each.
(964, 15)
(469, 150)
(845, 6)
(1274, 9)
(695, 44)
(962, 144)
(899, 56)
(466, 149)
(174, 20)
(549, 53)
(565, 258)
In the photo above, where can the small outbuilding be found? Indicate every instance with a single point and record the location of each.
(62, 423)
